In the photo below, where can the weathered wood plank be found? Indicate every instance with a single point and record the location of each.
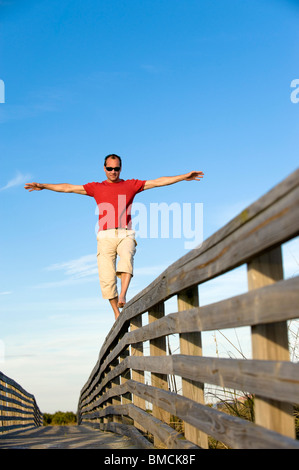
(129, 431)
(274, 379)
(167, 435)
(17, 418)
(16, 427)
(164, 433)
(16, 410)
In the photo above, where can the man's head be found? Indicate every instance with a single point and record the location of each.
(112, 167)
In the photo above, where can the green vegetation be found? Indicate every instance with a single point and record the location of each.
(59, 418)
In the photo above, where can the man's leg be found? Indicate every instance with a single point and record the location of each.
(114, 305)
(106, 258)
(126, 250)
(125, 281)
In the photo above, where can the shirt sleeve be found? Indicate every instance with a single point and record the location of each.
(139, 185)
(89, 188)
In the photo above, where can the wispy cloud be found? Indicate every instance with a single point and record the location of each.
(83, 269)
(6, 293)
(19, 179)
(77, 268)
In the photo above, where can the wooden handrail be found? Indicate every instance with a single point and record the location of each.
(115, 391)
(18, 408)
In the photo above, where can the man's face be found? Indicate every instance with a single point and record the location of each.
(113, 175)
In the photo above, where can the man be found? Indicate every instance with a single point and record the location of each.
(114, 198)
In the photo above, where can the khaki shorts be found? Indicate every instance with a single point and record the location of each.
(111, 243)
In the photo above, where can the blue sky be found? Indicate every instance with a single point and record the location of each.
(171, 86)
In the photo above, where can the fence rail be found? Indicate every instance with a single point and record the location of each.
(115, 394)
(18, 408)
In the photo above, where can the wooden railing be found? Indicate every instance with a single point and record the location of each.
(18, 408)
(114, 396)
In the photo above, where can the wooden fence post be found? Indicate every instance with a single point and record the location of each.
(106, 419)
(190, 344)
(138, 375)
(117, 399)
(158, 348)
(126, 375)
(270, 342)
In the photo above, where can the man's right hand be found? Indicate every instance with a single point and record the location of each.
(34, 186)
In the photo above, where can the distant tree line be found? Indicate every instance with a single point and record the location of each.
(59, 418)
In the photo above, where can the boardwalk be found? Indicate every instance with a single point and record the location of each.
(118, 385)
(65, 437)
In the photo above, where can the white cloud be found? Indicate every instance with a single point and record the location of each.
(77, 268)
(19, 179)
(76, 271)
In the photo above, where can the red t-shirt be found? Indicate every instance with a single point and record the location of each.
(114, 201)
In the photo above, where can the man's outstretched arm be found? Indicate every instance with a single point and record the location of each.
(166, 180)
(61, 188)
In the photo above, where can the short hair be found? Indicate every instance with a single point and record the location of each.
(113, 156)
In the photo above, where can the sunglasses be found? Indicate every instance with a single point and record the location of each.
(110, 168)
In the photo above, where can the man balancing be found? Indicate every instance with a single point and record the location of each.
(114, 197)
